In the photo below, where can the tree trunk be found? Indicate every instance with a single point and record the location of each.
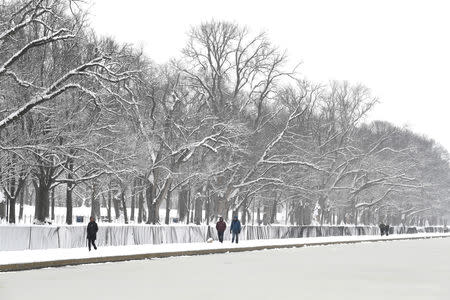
(267, 213)
(340, 214)
(2, 210)
(21, 197)
(116, 207)
(12, 200)
(273, 211)
(306, 215)
(198, 210)
(42, 190)
(244, 211)
(188, 206)
(95, 203)
(69, 197)
(182, 204)
(149, 196)
(7, 209)
(109, 204)
(258, 213)
(292, 213)
(207, 209)
(168, 203)
(154, 204)
(141, 206)
(253, 212)
(133, 199)
(12, 210)
(69, 204)
(124, 205)
(53, 204)
(144, 216)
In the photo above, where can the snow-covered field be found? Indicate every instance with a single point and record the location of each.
(410, 269)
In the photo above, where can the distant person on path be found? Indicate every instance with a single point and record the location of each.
(381, 229)
(384, 229)
(92, 229)
(235, 229)
(221, 226)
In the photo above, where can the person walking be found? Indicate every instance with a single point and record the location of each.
(384, 229)
(235, 229)
(221, 226)
(381, 228)
(92, 229)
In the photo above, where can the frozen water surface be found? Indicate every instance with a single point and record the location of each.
(410, 269)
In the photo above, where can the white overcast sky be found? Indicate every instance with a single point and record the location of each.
(399, 49)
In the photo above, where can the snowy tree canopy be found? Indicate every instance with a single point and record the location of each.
(224, 127)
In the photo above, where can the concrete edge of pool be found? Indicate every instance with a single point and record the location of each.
(130, 257)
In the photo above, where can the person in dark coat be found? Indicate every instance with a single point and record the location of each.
(92, 229)
(384, 229)
(381, 229)
(235, 229)
(221, 226)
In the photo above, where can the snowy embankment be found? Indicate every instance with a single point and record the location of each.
(30, 259)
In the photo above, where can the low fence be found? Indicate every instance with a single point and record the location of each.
(20, 237)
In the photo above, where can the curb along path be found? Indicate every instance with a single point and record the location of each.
(276, 244)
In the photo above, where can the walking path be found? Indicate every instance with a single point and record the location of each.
(35, 259)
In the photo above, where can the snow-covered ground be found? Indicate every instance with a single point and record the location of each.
(27, 256)
(410, 269)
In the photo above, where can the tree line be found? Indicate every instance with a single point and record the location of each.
(227, 127)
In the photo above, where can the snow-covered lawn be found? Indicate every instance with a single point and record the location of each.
(410, 269)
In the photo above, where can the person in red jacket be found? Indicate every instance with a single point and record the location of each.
(221, 226)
